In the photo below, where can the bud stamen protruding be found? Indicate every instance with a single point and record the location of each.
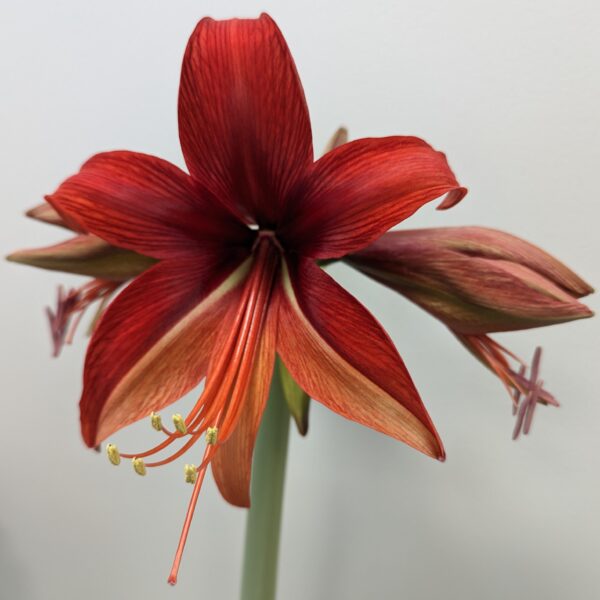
(71, 306)
(526, 391)
(527, 406)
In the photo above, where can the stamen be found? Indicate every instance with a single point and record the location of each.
(525, 391)
(179, 423)
(226, 372)
(212, 433)
(156, 421)
(138, 466)
(113, 454)
(71, 306)
(527, 408)
(517, 392)
(191, 473)
(531, 407)
(217, 410)
(189, 516)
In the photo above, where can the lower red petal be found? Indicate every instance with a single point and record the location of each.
(154, 342)
(341, 356)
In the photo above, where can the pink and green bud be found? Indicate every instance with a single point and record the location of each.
(476, 280)
(86, 255)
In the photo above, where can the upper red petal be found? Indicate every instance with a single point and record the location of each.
(154, 342)
(143, 203)
(243, 120)
(341, 356)
(355, 193)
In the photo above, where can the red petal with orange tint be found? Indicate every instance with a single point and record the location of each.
(143, 203)
(232, 464)
(243, 121)
(154, 341)
(355, 193)
(340, 355)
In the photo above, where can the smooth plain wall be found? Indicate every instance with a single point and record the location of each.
(510, 91)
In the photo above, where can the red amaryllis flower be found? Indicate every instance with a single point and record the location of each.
(237, 280)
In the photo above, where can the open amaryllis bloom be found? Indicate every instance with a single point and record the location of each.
(236, 281)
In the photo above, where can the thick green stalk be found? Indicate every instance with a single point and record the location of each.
(259, 578)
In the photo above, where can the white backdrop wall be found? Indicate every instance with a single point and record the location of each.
(510, 91)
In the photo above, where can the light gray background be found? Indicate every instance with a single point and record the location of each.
(510, 90)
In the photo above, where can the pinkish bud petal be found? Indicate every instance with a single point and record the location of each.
(476, 280)
(337, 139)
(86, 255)
(47, 214)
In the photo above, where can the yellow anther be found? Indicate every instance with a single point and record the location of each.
(211, 435)
(138, 466)
(179, 424)
(156, 421)
(113, 454)
(191, 473)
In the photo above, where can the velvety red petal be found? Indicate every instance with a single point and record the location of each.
(355, 193)
(232, 465)
(243, 121)
(340, 355)
(154, 342)
(143, 203)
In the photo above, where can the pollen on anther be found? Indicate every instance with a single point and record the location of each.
(113, 454)
(179, 423)
(191, 473)
(212, 433)
(138, 466)
(156, 421)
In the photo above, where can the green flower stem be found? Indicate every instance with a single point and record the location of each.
(259, 577)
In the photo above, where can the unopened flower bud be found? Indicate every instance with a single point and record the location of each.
(86, 255)
(476, 280)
